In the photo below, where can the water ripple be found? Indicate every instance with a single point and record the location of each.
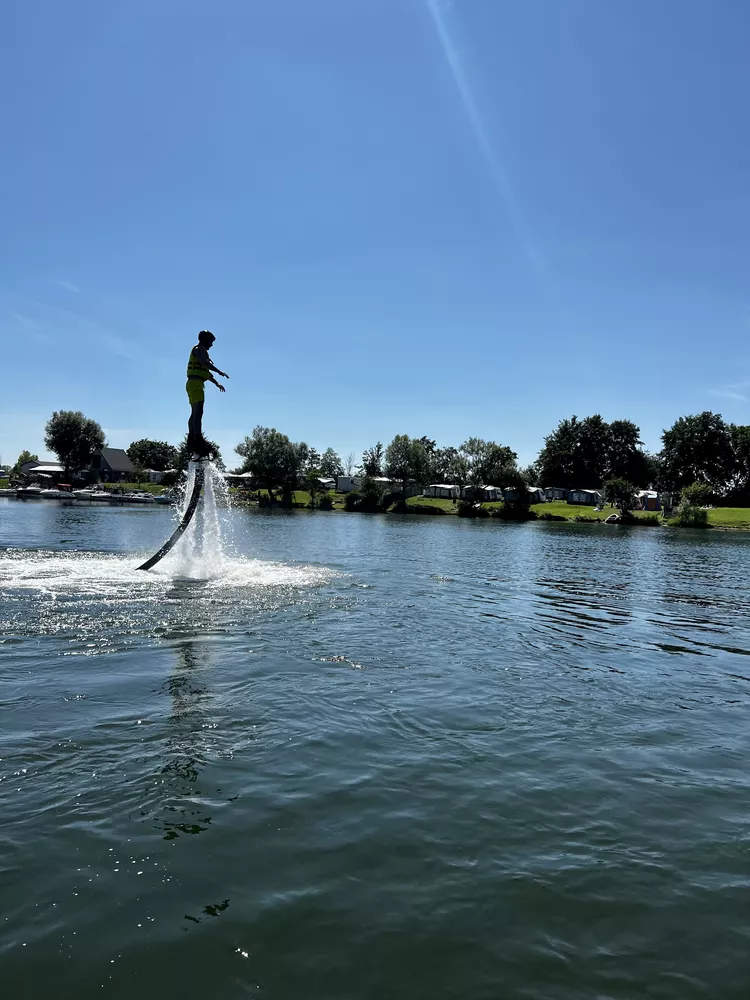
(374, 757)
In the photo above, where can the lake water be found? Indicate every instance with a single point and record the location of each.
(351, 757)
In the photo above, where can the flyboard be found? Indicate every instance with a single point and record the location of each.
(187, 517)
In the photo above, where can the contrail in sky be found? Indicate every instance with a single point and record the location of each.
(497, 171)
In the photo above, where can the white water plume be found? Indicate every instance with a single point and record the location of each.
(201, 552)
(202, 558)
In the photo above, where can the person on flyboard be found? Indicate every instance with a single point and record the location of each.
(199, 371)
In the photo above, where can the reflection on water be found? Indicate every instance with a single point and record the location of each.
(187, 743)
(424, 759)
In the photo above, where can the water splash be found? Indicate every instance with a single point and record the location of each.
(204, 560)
(116, 578)
(201, 553)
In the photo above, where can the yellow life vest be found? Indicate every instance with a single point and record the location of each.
(196, 368)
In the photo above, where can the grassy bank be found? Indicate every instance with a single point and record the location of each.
(719, 517)
(730, 517)
(561, 509)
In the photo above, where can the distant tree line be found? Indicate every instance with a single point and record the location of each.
(701, 448)
(580, 452)
(583, 452)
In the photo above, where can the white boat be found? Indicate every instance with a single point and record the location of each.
(10, 491)
(56, 494)
(29, 492)
(92, 493)
(138, 496)
(166, 497)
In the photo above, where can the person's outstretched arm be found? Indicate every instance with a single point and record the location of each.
(212, 367)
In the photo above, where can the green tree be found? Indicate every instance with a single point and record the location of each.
(699, 448)
(517, 497)
(370, 495)
(312, 485)
(429, 445)
(473, 451)
(146, 454)
(24, 457)
(330, 464)
(620, 493)
(739, 486)
(489, 463)
(585, 452)
(274, 460)
(457, 471)
(590, 460)
(448, 465)
(499, 467)
(691, 512)
(406, 459)
(654, 478)
(626, 458)
(697, 494)
(372, 461)
(73, 438)
(556, 461)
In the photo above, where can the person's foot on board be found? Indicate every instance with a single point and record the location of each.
(202, 451)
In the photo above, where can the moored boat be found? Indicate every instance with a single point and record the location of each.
(57, 493)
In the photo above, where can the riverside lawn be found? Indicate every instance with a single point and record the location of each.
(718, 517)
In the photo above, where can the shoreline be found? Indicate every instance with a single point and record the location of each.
(726, 518)
(720, 518)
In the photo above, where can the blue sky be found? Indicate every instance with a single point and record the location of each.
(398, 216)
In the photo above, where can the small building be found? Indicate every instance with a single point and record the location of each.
(648, 500)
(442, 491)
(112, 465)
(556, 493)
(586, 498)
(484, 494)
(154, 475)
(345, 484)
(326, 483)
(42, 470)
(536, 494)
(395, 486)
